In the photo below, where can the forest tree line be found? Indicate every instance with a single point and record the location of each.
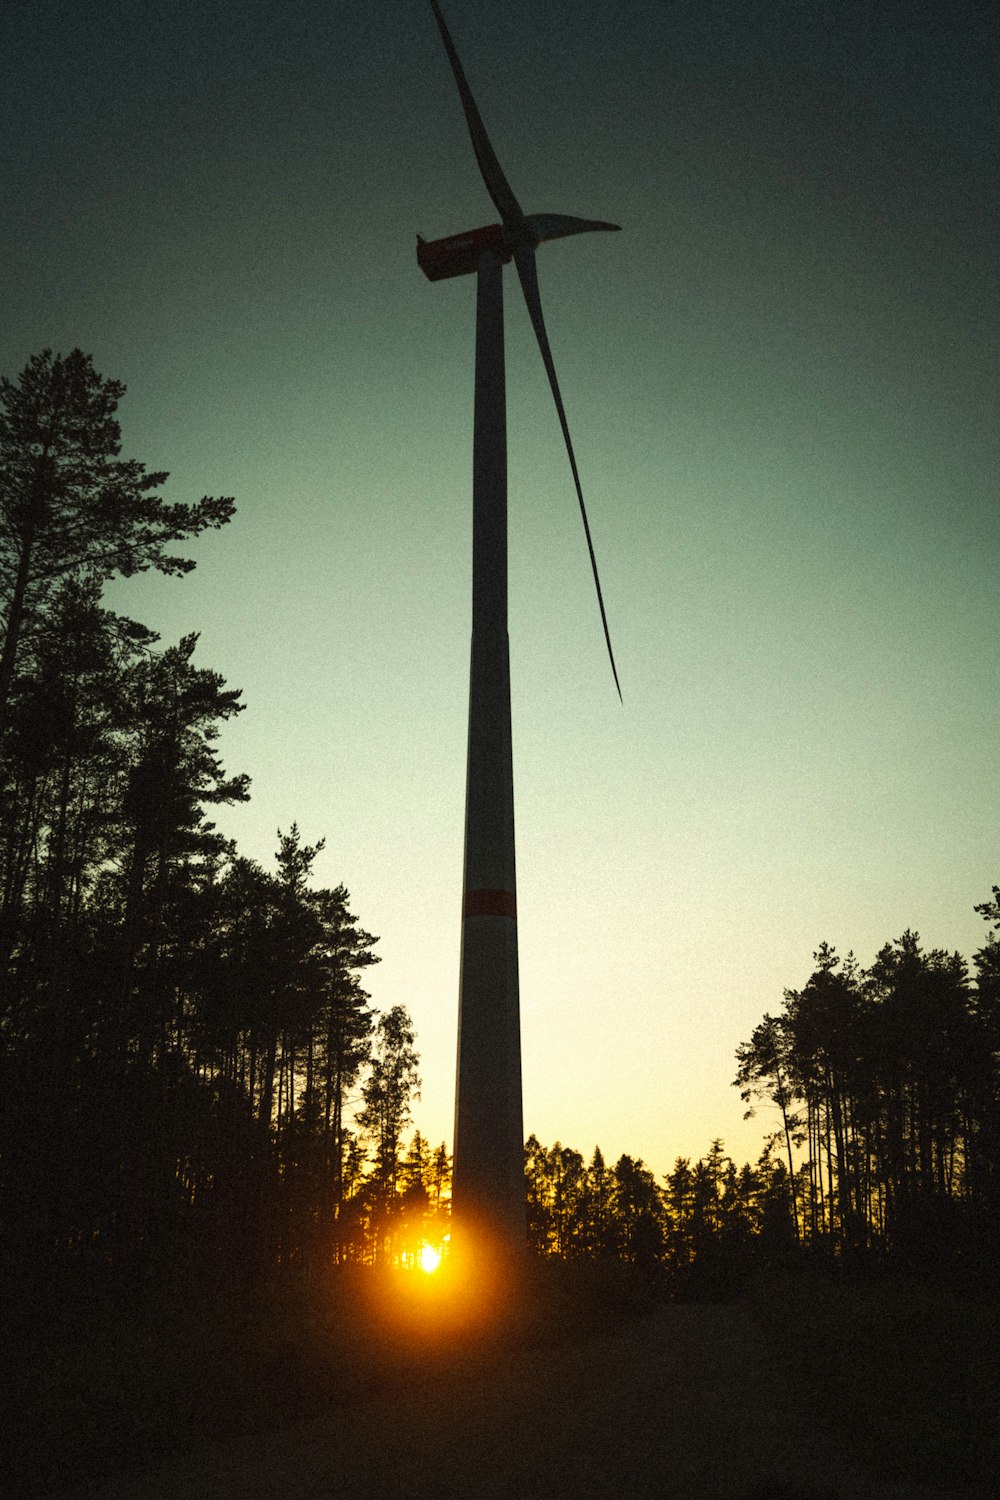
(886, 1085)
(883, 1089)
(192, 1078)
(193, 1082)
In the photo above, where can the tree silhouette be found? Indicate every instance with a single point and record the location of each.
(69, 506)
(388, 1092)
(889, 1078)
(180, 1030)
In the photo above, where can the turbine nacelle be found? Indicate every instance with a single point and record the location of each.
(458, 254)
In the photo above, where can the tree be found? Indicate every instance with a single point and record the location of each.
(827, 1026)
(176, 709)
(983, 1134)
(568, 1179)
(415, 1199)
(638, 1213)
(69, 506)
(537, 1196)
(62, 765)
(439, 1176)
(598, 1233)
(763, 1074)
(393, 1083)
(927, 1049)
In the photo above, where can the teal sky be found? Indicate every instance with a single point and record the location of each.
(782, 383)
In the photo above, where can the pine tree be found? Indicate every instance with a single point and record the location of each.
(69, 506)
(393, 1083)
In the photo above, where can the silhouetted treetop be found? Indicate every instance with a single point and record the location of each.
(69, 506)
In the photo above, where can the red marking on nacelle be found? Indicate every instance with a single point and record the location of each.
(489, 904)
(459, 253)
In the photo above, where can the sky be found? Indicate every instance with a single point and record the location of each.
(781, 379)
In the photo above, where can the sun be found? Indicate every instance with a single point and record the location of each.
(430, 1258)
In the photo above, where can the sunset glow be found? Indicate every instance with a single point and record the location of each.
(780, 383)
(430, 1259)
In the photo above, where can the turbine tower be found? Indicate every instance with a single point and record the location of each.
(488, 1207)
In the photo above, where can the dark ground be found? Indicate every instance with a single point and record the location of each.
(803, 1390)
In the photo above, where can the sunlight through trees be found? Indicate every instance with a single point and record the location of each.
(195, 1087)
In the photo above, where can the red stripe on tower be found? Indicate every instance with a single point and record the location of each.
(489, 904)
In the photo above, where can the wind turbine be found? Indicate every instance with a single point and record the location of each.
(488, 1205)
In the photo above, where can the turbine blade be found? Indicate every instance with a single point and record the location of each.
(524, 259)
(497, 185)
(555, 226)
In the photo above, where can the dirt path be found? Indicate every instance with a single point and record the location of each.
(680, 1403)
